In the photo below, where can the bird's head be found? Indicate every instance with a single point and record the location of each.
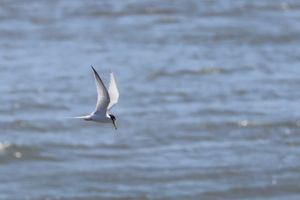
(113, 119)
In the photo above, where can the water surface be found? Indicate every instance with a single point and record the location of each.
(209, 105)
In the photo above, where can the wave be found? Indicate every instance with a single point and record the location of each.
(195, 72)
(34, 125)
(10, 152)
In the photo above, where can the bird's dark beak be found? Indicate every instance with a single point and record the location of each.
(114, 123)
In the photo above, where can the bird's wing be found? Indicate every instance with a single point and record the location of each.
(113, 91)
(103, 96)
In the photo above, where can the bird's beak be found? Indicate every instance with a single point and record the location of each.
(114, 123)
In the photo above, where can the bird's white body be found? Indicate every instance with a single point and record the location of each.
(96, 117)
(101, 118)
(105, 101)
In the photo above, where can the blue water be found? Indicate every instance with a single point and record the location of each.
(209, 99)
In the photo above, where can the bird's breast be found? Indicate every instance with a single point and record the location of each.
(101, 119)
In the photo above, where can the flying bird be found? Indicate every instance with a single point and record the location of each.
(105, 101)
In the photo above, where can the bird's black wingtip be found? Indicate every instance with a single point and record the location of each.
(95, 72)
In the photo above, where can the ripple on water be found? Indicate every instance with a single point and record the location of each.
(10, 152)
(161, 73)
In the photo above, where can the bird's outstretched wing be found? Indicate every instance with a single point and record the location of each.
(103, 96)
(113, 91)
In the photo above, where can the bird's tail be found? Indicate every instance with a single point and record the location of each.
(86, 117)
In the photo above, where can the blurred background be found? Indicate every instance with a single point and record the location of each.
(209, 105)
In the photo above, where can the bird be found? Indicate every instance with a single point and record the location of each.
(106, 99)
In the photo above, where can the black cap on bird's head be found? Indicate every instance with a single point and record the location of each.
(113, 118)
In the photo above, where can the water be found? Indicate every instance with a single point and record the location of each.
(209, 105)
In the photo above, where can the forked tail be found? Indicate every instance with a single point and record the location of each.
(86, 117)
